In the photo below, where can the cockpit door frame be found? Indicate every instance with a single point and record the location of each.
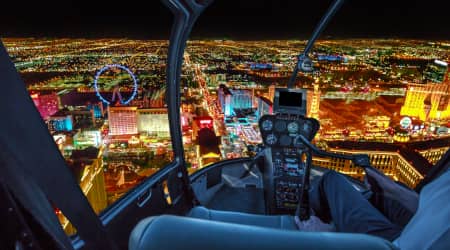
(185, 14)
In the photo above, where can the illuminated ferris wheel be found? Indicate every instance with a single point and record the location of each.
(116, 89)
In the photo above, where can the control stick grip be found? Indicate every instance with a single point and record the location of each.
(303, 210)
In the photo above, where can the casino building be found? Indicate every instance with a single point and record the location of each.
(133, 120)
(429, 101)
(153, 122)
(122, 120)
(406, 162)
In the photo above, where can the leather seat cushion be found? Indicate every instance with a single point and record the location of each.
(174, 232)
(271, 221)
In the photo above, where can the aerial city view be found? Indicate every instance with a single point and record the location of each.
(103, 101)
(207, 124)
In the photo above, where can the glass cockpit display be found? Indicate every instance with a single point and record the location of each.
(290, 101)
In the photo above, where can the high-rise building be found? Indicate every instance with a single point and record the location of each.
(241, 99)
(265, 106)
(87, 138)
(230, 100)
(97, 109)
(59, 122)
(224, 97)
(271, 93)
(82, 118)
(436, 72)
(47, 104)
(87, 167)
(122, 120)
(153, 121)
(313, 102)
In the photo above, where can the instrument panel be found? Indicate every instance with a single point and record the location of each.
(280, 132)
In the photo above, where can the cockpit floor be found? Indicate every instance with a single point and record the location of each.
(246, 200)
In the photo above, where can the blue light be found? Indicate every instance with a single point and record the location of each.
(96, 109)
(107, 67)
(330, 58)
(68, 124)
(62, 124)
(257, 66)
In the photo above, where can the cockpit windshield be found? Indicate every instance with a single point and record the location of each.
(103, 95)
(371, 96)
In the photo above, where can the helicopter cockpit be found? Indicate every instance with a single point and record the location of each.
(253, 202)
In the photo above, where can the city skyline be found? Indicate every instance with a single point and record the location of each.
(103, 101)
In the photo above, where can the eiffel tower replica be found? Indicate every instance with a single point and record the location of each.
(429, 101)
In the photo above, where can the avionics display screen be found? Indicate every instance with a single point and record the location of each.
(290, 99)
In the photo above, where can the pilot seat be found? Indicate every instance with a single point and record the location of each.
(262, 232)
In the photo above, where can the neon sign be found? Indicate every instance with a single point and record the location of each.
(405, 122)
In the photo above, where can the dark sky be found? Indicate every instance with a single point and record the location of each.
(235, 19)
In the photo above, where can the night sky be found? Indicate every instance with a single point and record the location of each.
(233, 19)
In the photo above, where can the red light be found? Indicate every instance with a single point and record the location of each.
(184, 121)
(57, 211)
(205, 121)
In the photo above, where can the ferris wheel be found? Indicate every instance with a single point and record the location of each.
(116, 89)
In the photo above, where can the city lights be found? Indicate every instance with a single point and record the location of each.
(387, 98)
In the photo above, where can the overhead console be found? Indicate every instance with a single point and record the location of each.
(280, 132)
